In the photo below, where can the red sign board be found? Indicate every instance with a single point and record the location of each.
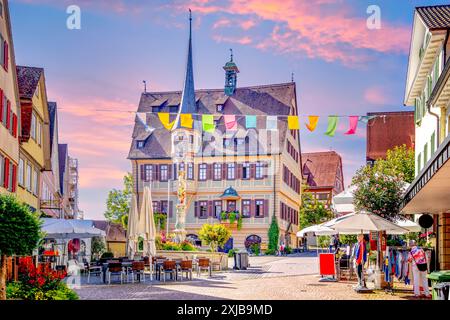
(327, 267)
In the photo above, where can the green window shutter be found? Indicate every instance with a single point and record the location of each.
(436, 70)
(423, 106)
(425, 154)
(430, 86)
(416, 110)
(433, 143)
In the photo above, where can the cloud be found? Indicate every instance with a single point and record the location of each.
(325, 29)
(241, 40)
(222, 23)
(377, 95)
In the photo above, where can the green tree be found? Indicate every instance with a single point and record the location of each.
(118, 202)
(97, 246)
(273, 234)
(214, 235)
(312, 211)
(378, 192)
(20, 232)
(399, 163)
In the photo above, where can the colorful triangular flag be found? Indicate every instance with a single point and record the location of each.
(332, 125)
(353, 125)
(164, 117)
(250, 122)
(230, 122)
(208, 123)
(313, 120)
(186, 120)
(271, 123)
(293, 123)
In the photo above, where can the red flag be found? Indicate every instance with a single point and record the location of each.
(353, 124)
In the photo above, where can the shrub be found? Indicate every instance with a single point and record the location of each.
(187, 246)
(231, 252)
(270, 252)
(274, 233)
(215, 235)
(255, 249)
(40, 283)
(107, 255)
(172, 246)
(20, 233)
(288, 250)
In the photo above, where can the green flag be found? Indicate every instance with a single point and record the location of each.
(332, 125)
(208, 123)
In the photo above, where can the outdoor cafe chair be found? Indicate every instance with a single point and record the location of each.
(115, 269)
(204, 264)
(169, 267)
(137, 269)
(185, 266)
(94, 269)
(217, 264)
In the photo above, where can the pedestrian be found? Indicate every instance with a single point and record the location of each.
(360, 256)
(282, 249)
(418, 261)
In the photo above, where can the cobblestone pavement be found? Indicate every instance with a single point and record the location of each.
(293, 277)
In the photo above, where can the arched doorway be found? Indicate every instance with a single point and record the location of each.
(252, 241)
(193, 238)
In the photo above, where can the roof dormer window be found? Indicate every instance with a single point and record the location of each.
(219, 107)
(140, 144)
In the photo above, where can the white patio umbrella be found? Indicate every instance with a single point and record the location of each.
(366, 222)
(63, 229)
(132, 230)
(317, 229)
(147, 226)
(408, 224)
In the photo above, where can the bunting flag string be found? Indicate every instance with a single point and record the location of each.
(332, 125)
(207, 122)
(313, 121)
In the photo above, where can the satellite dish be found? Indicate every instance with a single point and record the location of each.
(426, 221)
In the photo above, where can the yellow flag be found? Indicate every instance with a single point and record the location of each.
(313, 120)
(164, 117)
(186, 120)
(293, 123)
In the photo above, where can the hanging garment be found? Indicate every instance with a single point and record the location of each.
(386, 269)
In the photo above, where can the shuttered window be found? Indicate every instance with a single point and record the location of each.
(259, 208)
(217, 171)
(246, 208)
(231, 171)
(425, 154)
(202, 171)
(163, 171)
(203, 209)
(433, 143)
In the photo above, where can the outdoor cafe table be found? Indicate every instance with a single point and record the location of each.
(159, 265)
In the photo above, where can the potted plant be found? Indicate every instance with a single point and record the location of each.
(231, 219)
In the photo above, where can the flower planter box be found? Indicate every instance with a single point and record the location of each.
(231, 226)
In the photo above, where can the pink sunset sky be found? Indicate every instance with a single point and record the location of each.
(95, 74)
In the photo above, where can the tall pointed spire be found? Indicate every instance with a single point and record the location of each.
(188, 104)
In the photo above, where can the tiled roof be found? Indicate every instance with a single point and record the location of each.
(388, 130)
(273, 99)
(114, 231)
(435, 17)
(28, 79)
(320, 168)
